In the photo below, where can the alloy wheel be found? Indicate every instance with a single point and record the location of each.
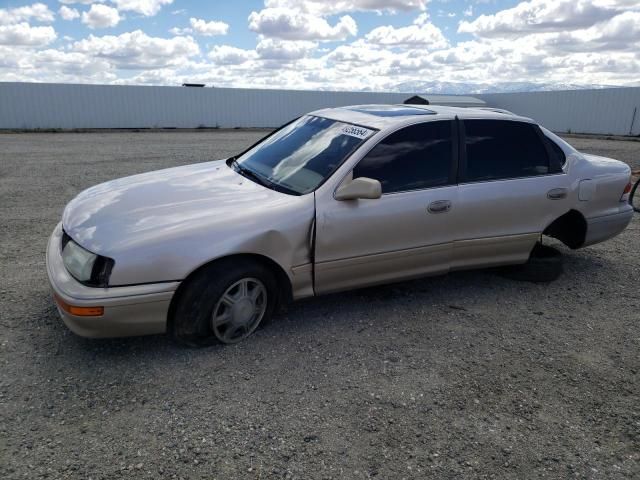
(239, 310)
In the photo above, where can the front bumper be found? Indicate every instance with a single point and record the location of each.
(128, 311)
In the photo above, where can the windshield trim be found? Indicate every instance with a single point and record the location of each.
(281, 188)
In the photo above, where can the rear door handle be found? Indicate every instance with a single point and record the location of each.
(557, 193)
(439, 206)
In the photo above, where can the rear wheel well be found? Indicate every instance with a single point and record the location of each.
(570, 229)
(285, 293)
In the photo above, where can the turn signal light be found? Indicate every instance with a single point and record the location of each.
(79, 311)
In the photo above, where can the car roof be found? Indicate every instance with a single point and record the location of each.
(389, 116)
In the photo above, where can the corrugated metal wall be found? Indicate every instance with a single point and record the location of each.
(65, 106)
(40, 105)
(606, 111)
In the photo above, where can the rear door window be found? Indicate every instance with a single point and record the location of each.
(413, 158)
(501, 149)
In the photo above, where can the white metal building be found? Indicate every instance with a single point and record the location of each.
(68, 106)
(606, 111)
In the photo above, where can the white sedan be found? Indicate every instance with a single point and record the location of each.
(338, 199)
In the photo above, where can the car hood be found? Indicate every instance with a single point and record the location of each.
(135, 210)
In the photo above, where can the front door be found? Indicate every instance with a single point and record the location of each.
(404, 234)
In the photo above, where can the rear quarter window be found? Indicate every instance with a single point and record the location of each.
(558, 158)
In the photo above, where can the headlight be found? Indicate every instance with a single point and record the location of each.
(86, 267)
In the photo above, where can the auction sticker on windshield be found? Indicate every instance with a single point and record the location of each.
(358, 132)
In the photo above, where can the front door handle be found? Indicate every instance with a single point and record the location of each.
(439, 206)
(557, 194)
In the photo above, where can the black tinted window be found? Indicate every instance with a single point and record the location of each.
(415, 157)
(503, 149)
(558, 158)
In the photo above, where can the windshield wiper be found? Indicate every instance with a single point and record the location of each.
(260, 180)
(250, 174)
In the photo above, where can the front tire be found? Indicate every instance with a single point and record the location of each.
(224, 302)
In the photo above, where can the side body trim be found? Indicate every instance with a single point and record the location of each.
(381, 268)
(399, 265)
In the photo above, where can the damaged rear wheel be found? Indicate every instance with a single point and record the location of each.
(544, 265)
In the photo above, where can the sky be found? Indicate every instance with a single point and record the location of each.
(320, 44)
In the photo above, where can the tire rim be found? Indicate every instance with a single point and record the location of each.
(239, 310)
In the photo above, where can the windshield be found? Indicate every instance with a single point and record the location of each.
(298, 158)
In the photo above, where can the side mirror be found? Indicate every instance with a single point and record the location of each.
(361, 187)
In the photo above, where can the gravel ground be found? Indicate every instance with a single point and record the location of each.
(469, 375)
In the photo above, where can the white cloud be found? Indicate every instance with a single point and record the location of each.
(618, 34)
(324, 7)
(100, 16)
(21, 34)
(357, 55)
(81, 2)
(426, 35)
(68, 13)
(621, 32)
(202, 27)
(70, 63)
(136, 50)
(537, 16)
(421, 19)
(228, 55)
(10, 58)
(538, 40)
(162, 76)
(208, 29)
(38, 12)
(148, 8)
(274, 52)
(54, 66)
(273, 49)
(296, 25)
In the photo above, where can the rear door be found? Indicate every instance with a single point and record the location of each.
(405, 233)
(509, 191)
